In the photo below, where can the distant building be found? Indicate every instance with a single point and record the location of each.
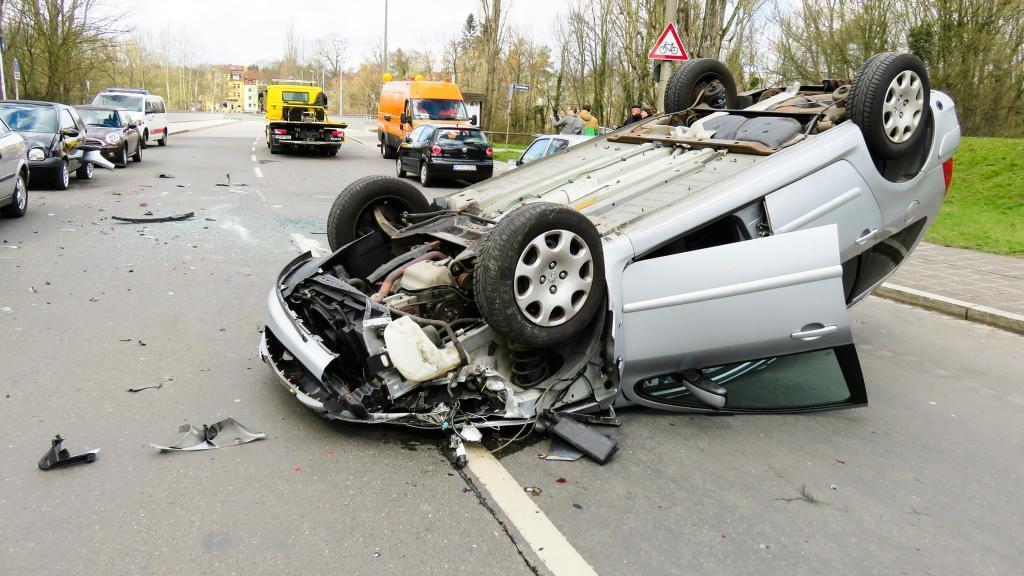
(250, 96)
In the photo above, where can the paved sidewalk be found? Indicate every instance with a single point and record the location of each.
(978, 286)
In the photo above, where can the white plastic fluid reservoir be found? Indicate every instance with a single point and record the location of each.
(414, 355)
(426, 274)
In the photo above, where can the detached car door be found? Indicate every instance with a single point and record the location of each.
(761, 323)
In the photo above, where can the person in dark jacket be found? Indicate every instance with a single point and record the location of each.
(636, 114)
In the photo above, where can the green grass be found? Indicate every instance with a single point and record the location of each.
(506, 155)
(985, 206)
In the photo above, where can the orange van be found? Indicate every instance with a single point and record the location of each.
(406, 104)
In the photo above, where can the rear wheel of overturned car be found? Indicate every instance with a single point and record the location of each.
(353, 213)
(539, 279)
(889, 100)
(704, 78)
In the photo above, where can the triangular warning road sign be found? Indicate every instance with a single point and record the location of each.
(668, 46)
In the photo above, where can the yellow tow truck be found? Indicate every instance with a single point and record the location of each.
(297, 118)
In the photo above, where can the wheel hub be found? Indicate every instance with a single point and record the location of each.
(553, 277)
(903, 107)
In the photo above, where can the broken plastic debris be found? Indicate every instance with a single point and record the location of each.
(227, 432)
(472, 434)
(151, 387)
(532, 490)
(57, 457)
(155, 219)
(562, 451)
(162, 175)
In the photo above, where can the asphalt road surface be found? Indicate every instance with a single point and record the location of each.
(925, 480)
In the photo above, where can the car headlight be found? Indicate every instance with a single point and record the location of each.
(113, 138)
(36, 154)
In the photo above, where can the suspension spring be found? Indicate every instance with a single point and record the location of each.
(529, 367)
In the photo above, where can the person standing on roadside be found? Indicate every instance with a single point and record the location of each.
(570, 123)
(590, 123)
(636, 114)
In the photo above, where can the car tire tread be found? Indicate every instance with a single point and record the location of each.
(350, 202)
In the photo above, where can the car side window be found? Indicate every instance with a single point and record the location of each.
(123, 118)
(536, 150)
(150, 108)
(66, 121)
(415, 136)
(79, 123)
(4, 129)
(159, 106)
(558, 145)
(427, 134)
(406, 110)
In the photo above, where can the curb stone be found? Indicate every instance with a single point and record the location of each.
(951, 306)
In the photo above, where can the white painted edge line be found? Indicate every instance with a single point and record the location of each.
(309, 245)
(259, 173)
(550, 545)
(252, 149)
(357, 140)
(253, 157)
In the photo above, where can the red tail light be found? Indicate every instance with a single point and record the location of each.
(490, 152)
(947, 173)
(337, 133)
(280, 131)
(435, 150)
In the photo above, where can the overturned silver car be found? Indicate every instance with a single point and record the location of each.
(703, 260)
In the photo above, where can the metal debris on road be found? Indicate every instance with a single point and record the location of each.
(151, 387)
(532, 490)
(227, 432)
(162, 175)
(561, 451)
(57, 457)
(154, 220)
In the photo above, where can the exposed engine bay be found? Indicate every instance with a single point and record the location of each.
(402, 318)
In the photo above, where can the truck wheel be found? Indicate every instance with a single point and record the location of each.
(700, 75)
(387, 152)
(889, 100)
(539, 279)
(352, 214)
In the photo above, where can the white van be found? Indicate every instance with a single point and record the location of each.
(145, 109)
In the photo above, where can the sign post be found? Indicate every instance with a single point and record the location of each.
(17, 76)
(3, 85)
(512, 89)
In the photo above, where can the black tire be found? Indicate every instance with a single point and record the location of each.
(495, 282)
(872, 104)
(332, 151)
(387, 152)
(137, 157)
(144, 143)
(62, 176)
(425, 178)
(352, 216)
(163, 141)
(19, 204)
(274, 148)
(399, 171)
(123, 161)
(692, 77)
(85, 171)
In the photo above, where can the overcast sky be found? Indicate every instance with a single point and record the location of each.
(248, 31)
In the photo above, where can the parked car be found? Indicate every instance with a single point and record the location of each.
(548, 145)
(13, 173)
(698, 261)
(437, 151)
(145, 109)
(113, 132)
(55, 135)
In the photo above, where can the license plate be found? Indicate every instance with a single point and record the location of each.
(464, 168)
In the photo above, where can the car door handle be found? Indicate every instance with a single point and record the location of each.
(866, 236)
(809, 333)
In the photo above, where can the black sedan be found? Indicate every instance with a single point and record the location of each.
(113, 132)
(437, 151)
(55, 137)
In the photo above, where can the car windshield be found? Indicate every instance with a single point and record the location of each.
(120, 101)
(459, 136)
(105, 118)
(29, 118)
(439, 110)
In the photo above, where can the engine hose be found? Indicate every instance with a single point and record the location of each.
(529, 367)
(389, 281)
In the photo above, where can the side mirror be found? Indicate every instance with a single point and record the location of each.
(474, 120)
(70, 133)
(405, 119)
(512, 163)
(519, 162)
(408, 140)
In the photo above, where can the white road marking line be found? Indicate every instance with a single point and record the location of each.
(253, 157)
(560, 557)
(259, 173)
(357, 140)
(309, 245)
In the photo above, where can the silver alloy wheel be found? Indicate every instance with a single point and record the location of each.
(124, 154)
(903, 106)
(65, 174)
(89, 168)
(553, 277)
(20, 197)
(424, 176)
(398, 167)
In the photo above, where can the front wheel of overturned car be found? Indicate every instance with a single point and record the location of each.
(353, 213)
(889, 100)
(539, 279)
(700, 80)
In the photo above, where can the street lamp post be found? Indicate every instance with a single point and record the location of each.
(385, 35)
